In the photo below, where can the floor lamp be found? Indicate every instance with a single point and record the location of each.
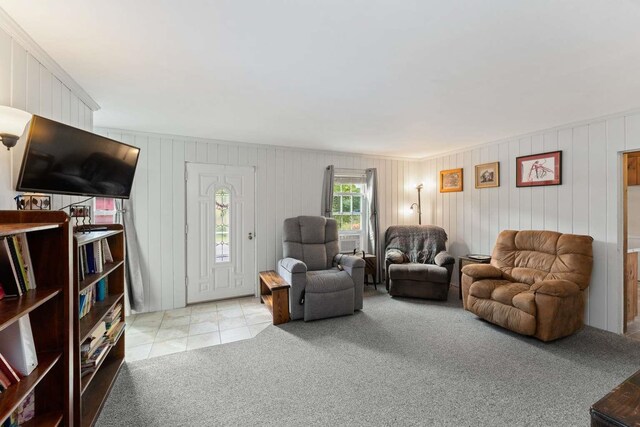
(419, 204)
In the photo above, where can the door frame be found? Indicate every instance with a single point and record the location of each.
(256, 290)
(624, 209)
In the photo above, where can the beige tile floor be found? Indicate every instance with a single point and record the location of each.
(203, 325)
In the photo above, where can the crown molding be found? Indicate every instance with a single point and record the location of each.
(16, 32)
(186, 138)
(533, 133)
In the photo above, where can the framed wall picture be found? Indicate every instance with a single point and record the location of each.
(539, 169)
(451, 180)
(488, 175)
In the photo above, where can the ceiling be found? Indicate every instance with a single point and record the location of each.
(392, 77)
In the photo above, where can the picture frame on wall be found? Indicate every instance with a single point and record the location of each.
(488, 175)
(451, 180)
(539, 169)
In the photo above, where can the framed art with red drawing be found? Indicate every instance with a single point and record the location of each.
(539, 169)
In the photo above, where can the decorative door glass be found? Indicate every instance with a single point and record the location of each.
(222, 225)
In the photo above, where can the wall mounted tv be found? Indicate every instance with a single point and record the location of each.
(62, 159)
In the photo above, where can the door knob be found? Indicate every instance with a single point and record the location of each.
(250, 236)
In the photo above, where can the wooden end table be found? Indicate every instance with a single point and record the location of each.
(466, 260)
(370, 268)
(621, 407)
(274, 293)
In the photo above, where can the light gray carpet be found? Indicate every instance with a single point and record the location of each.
(400, 361)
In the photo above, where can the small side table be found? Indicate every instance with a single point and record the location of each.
(466, 260)
(274, 293)
(370, 268)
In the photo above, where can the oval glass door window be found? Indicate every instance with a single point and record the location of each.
(222, 199)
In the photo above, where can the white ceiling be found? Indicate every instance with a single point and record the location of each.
(394, 77)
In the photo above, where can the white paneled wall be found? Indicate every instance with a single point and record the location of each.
(289, 183)
(585, 203)
(28, 85)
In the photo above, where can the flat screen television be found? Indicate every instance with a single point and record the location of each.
(61, 159)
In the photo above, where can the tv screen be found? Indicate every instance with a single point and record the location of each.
(62, 159)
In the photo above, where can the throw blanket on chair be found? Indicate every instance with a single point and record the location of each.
(421, 243)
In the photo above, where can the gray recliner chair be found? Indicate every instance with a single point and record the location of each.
(417, 264)
(324, 283)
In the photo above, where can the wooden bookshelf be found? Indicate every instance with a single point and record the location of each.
(91, 391)
(49, 310)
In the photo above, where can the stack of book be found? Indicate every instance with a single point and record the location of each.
(114, 324)
(94, 349)
(92, 257)
(16, 270)
(86, 300)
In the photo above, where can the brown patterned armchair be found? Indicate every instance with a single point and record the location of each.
(534, 285)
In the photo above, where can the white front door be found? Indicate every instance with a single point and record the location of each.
(221, 250)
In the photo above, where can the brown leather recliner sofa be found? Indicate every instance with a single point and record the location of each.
(534, 285)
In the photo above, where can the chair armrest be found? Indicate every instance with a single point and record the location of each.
(350, 261)
(482, 271)
(395, 256)
(444, 258)
(556, 288)
(293, 265)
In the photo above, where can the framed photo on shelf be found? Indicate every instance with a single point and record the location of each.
(451, 180)
(539, 169)
(488, 175)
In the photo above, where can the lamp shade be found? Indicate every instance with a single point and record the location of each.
(13, 121)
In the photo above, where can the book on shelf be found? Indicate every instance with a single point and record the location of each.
(8, 278)
(18, 347)
(22, 245)
(86, 300)
(15, 264)
(106, 250)
(91, 260)
(5, 382)
(114, 332)
(96, 358)
(99, 257)
(92, 257)
(8, 371)
(16, 270)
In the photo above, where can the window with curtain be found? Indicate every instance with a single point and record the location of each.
(349, 209)
(105, 211)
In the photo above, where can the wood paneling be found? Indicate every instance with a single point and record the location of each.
(26, 84)
(289, 183)
(585, 203)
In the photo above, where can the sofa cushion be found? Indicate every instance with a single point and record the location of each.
(484, 288)
(505, 293)
(419, 272)
(525, 301)
(508, 293)
(503, 315)
(325, 281)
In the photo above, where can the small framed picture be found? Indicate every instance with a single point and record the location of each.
(488, 175)
(451, 180)
(539, 169)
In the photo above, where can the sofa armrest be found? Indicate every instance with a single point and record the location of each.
(444, 258)
(556, 288)
(482, 271)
